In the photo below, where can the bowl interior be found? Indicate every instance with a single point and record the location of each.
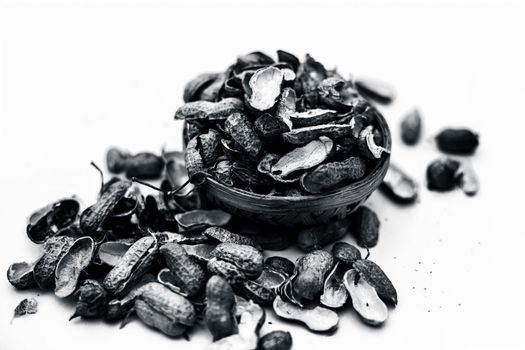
(373, 179)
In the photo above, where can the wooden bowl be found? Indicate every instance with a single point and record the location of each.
(304, 210)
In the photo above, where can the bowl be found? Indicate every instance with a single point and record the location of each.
(303, 210)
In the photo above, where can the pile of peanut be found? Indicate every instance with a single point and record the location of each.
(168, 258)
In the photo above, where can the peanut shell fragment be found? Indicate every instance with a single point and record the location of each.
(27, 306)
(20, 275)
(202, 217)
(205, 111)
(368, 146)
(328, 176)
(346, 253)
(306, 157)
(301, 136)
(44, 270)
(92, 300)
(111, 252)
(251, 321)
(77, 258)
(365, 299)
(399, 186)
(247, 258)
(318, 319)
(334, 294)
(371, 272)
(265, 86)
(224, 236)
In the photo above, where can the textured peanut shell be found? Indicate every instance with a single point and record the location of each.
(220, 308)
(311, 270)
(77, 258)
(132, 266)
(345, 253)
(328, 176)
(374, 275)
(210, 146)
(94, 216)
(20, 275)
(365, 300)
(190, 275)
(199, 111)
(173, 306)
(241, 129)
(247, 258)
(193, 157)
(224, 236)
(44, 269)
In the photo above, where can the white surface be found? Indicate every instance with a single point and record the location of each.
(79, 77)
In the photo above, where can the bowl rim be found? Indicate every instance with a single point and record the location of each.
(353, 187)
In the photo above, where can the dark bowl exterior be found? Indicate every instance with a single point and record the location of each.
(304, 210)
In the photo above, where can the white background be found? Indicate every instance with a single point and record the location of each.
(80, 76)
